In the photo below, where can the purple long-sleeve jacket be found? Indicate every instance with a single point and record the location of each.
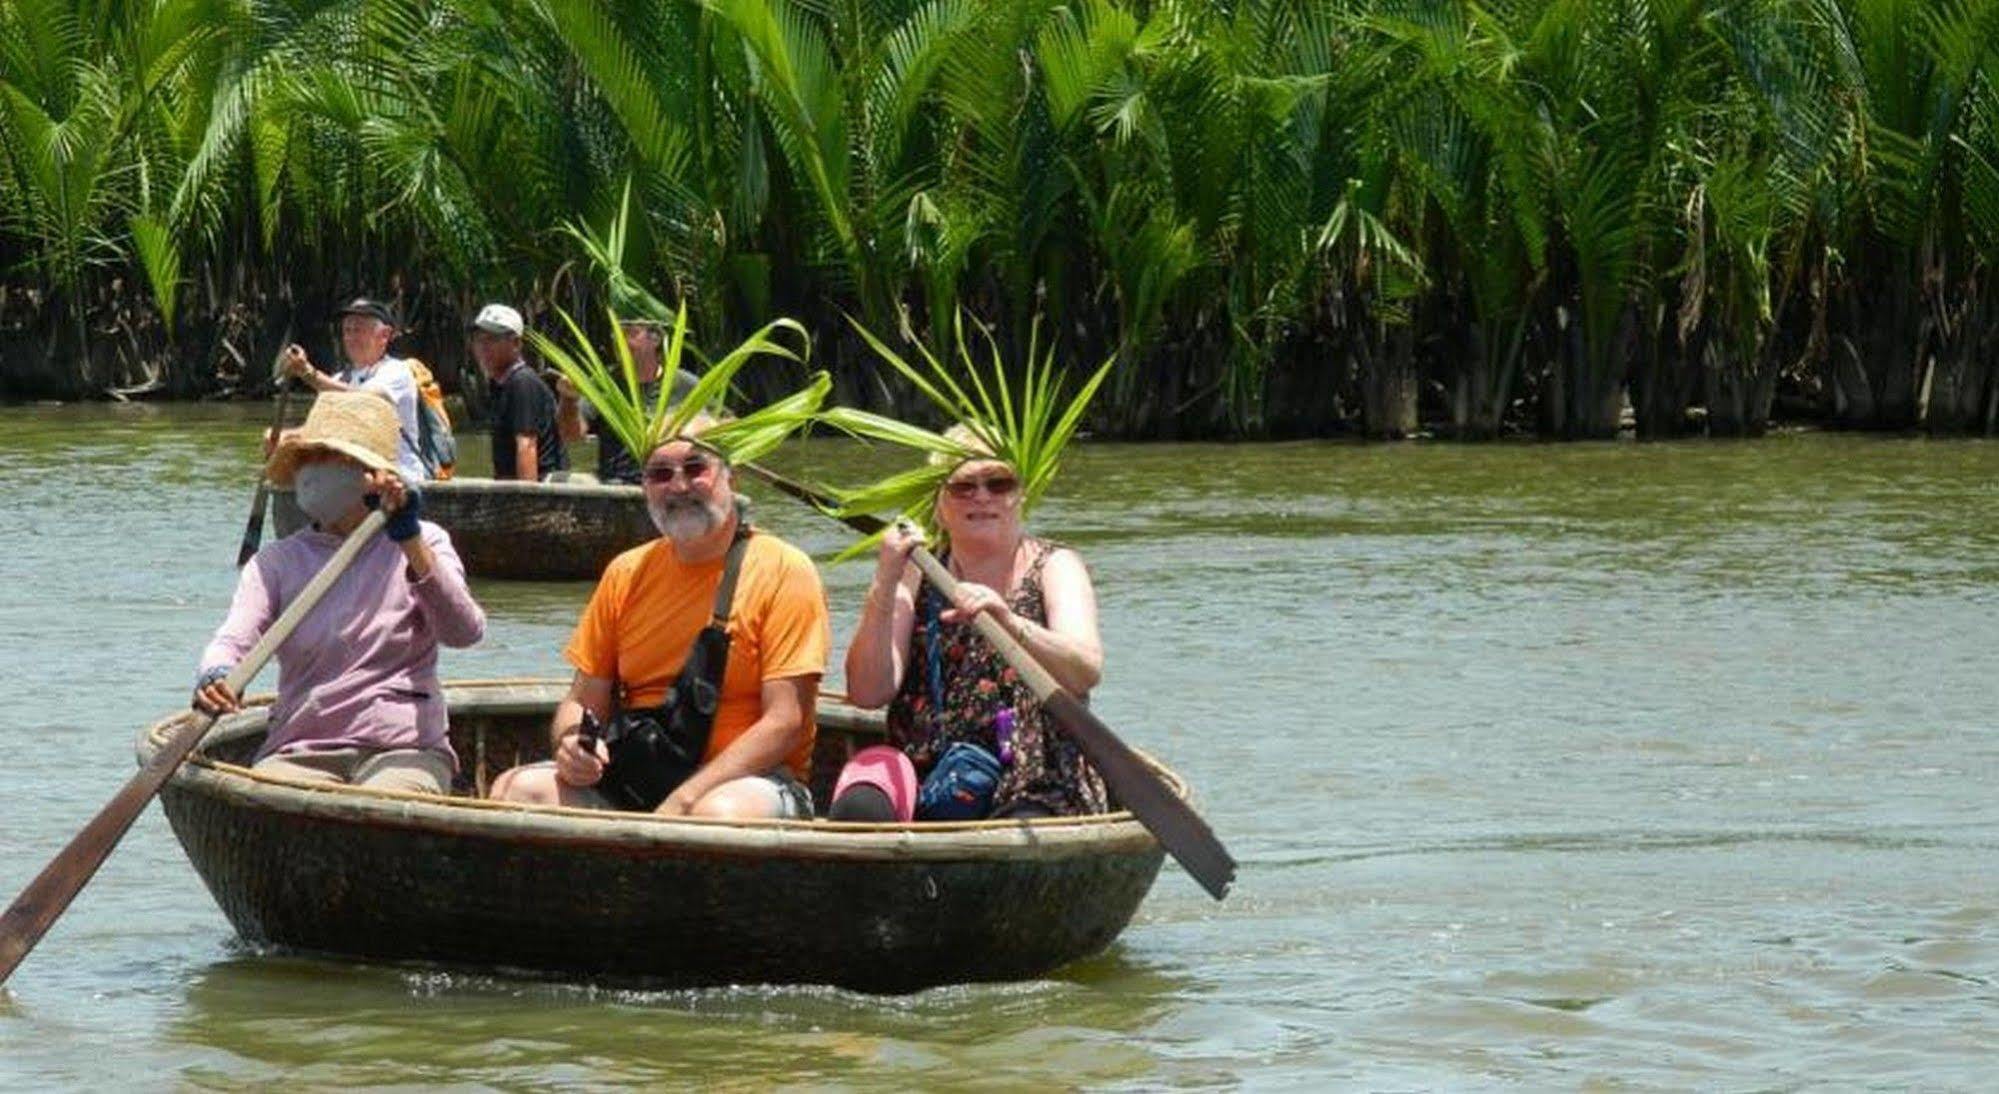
(361, 669)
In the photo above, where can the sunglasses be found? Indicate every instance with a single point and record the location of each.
(660, 474)
(998, 486)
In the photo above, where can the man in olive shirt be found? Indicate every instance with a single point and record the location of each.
(526, 443)
(643, 338)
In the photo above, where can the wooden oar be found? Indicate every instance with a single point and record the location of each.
(36, 909)
(1138, 787)
(253, 533)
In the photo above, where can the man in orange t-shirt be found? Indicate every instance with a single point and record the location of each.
(640, 624)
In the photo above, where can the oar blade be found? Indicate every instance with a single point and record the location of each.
(1169, 818)
(253, 532)
(33, 912)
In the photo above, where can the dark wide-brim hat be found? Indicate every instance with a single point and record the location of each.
(374, 309)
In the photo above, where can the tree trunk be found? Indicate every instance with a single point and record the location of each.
(1388, 385)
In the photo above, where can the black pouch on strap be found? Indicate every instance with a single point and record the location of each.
(654, 750)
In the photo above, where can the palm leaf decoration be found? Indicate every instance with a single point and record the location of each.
(606, 254)
(1025, 423)
(643, 422)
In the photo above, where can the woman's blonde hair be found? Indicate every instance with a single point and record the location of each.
(968, 438)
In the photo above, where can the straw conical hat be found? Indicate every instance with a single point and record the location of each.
(357, 424)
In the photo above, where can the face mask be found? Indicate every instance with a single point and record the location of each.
(329, 491)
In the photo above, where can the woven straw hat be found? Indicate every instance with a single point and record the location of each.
(357, 424)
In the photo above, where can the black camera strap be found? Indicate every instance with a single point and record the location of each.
(653, 751)
(725, 595)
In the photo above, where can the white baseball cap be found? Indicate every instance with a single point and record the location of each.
(499, 319)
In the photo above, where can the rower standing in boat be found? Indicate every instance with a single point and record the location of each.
(574, 415)
(960, 719)
(642, 673)
(366, 328)
(526, 444)
(358, 695)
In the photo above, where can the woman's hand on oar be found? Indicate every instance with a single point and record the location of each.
(212, 695)
(35, 910)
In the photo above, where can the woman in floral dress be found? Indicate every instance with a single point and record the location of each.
(918, 653)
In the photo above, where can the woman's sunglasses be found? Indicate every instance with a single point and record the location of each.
(998, 486)
(660, 474)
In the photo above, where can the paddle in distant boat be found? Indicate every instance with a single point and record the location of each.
(45, 898)
(253, 533)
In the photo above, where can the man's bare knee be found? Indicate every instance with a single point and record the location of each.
(739, 799)
(533, 785)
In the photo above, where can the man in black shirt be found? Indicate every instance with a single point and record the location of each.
(526, 444)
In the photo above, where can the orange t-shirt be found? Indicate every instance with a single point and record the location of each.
(642, 619)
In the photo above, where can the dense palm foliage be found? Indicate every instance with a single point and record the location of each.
(1279, 215)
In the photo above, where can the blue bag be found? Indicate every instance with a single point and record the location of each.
(960, 786)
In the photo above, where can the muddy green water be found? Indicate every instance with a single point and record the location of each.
(1613, 766)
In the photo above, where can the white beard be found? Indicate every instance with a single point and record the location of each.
(683, 518)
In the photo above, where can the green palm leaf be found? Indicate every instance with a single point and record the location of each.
(1025, 421)
(642, 424)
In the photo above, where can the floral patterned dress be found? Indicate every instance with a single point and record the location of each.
(954, 684)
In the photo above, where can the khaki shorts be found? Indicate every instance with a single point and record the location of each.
(791, 799)
(417, 770)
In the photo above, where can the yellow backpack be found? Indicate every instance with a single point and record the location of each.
(434, 443)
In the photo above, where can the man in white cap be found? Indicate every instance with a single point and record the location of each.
(366, 328)
(526, 443)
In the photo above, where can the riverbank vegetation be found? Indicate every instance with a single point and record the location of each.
(1282, 216)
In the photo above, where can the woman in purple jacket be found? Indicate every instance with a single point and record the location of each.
(358, 695)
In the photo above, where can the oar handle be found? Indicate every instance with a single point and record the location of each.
(308, 597)
(33, 912)
(1038, 679)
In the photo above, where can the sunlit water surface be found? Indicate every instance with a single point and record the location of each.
(1608, 765)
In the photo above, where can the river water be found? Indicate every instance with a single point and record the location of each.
(1615, 766)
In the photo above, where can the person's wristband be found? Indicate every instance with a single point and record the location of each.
(403, 524)
(212, 674)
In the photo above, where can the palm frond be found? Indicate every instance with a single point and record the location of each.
(1025, 421)
(643, 423)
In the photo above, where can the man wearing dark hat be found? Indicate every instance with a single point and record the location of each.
(366, 327)
(643, 339)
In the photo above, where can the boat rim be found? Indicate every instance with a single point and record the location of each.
(1038, 838)
(472, 485)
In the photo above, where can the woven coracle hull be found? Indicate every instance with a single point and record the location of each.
(631, 898)
(522, 530)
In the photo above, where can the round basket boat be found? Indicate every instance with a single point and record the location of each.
(623, 897)
(530, 531)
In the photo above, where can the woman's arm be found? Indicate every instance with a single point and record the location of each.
(436, 576)
(1068, 647)
(888, 615)
(251, 610)
(437, 579)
